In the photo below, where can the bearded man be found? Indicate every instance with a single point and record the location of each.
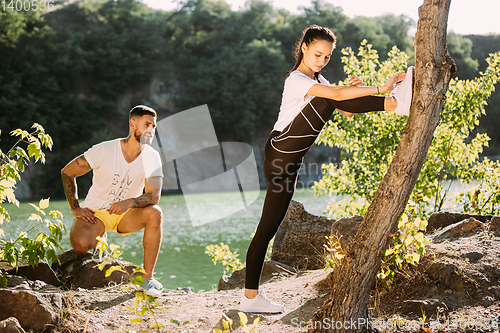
(125, 192)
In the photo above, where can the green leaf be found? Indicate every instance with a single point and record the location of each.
(156, 325)
(243, 318)
(112, 269)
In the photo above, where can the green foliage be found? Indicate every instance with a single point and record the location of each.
(229, 260)
(15, 24)
(483, 197)
(13, 161)
(460, 49)
(32, 246)
(408, 245)
(334, 252)
(79, 68)
(369, 142)
(40, 242)
(142, 304)
(222, 254)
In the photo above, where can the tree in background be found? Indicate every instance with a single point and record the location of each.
(369, 141)
(72, 69)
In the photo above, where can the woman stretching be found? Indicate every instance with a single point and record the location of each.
(308, 101)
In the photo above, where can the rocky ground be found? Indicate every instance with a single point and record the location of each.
(455, 288)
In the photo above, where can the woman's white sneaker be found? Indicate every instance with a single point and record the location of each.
(403, 93)
(259, 304)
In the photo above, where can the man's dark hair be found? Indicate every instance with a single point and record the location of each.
(141, 110)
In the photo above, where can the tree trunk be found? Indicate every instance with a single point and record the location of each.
(347, 308)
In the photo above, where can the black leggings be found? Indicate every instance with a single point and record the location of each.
(284, 152)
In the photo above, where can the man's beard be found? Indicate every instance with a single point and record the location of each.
(138, 136)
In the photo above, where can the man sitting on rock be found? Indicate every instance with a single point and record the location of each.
(125, 191)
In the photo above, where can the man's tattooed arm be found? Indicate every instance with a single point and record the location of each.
(151, 197)
(153, 192)
(78, 167)
(142, 201)
(70, 191)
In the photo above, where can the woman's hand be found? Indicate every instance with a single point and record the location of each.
(391, 83)
(355, 80)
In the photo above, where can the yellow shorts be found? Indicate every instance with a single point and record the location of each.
(111, 221)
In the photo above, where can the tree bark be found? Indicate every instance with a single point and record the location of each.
(347, 307)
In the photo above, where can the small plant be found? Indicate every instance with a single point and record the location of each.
(27, 246)
(227, 325)
(408, 245)
(484, 196)
(42, 246)
(244, 322)
(221, 253)
(461, 267)
(142, 304)
(179, 324)
(335, 253)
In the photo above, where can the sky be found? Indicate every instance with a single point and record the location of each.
(466, 16)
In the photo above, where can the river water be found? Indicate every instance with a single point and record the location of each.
(182, 261)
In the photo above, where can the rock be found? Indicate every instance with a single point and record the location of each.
(346, 228)
(81, 271)
(429, 307)
(90, 276)
(446, 274)
(187, 290)
(41, 272)
(473, 256)
(463, 228)
(69, 263)
(487, 301)
(20, 283)
(237, 279)
(34, 310)
(17, 282)
(495, 223)
(444, 219)
(10, 325)
(300, 238)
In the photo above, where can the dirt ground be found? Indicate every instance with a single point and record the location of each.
(463, 274)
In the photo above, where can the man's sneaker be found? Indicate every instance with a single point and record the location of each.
(403, 93)
(259, 304)
(152, 287)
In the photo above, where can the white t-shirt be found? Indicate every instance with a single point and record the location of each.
(113, 178)
(295, 97)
